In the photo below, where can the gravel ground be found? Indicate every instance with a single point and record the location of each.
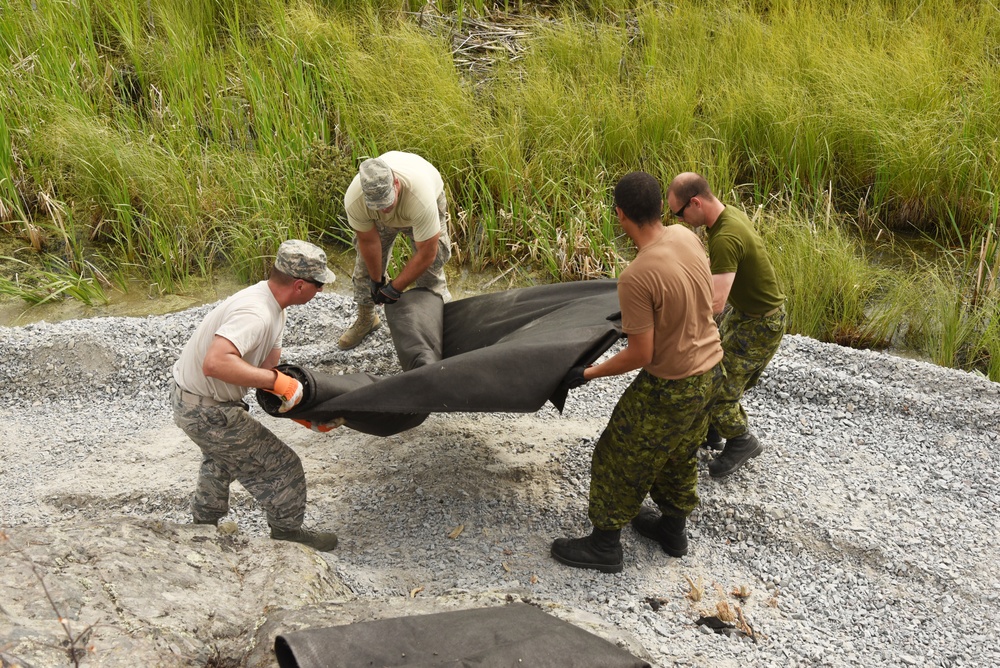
(866, 533)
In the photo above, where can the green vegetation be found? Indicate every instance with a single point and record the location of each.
(39, 285)
(160, 140)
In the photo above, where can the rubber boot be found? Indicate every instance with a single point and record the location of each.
(366, 323)
(712, 439)
(317, 540)
(668, 531)
(736, 453)
(601, 550)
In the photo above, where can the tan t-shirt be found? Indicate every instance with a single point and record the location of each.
(252, 320)
(668, 287)
(417, 205)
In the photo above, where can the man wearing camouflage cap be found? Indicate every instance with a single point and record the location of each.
(235, 348)
(395, 193)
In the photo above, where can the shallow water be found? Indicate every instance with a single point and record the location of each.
(135, 302)
(141, 300)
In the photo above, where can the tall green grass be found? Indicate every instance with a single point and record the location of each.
(39, 286)
(185, 136)
(953, 306)
(831, 287)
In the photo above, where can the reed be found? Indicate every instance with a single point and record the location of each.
(830, 285)
(183, 138)
(61, 280)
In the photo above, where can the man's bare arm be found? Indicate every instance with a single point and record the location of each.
(418, 264)
(224, 362)
(721, 285)
(637, 354)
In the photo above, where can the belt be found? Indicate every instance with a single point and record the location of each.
(198, 400)
(758, 316)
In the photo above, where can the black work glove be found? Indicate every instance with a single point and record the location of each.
(387, 294)
(376, 285)
(573, 379)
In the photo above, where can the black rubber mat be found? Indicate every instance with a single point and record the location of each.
(498, 352)
(500, 637)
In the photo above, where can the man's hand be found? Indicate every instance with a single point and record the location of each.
(321, 427)
(289, 389)
(573, 379)
(387, 294)
(376, 286)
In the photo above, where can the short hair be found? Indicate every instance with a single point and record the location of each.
(688, 185)
(640, 198)
(281, 278)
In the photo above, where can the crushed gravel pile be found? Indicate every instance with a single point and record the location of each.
(867, 533)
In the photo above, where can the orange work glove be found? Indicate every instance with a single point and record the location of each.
(322, 428)
(289, 389)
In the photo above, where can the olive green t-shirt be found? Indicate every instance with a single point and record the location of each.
(735, 247)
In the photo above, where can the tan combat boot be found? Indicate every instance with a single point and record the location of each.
(317, 540)
(366, 323)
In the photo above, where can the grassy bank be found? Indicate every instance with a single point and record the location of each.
(159, 140)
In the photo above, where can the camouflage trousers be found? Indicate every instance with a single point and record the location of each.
(433, 278)
(748, 344)
(235, 446)
(650, 446)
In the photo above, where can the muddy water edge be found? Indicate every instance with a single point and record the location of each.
(141, 299)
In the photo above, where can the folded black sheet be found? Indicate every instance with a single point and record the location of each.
(499, 352)
(500, 637)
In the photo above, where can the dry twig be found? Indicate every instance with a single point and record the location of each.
(478, 43)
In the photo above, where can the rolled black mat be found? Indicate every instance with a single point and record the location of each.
(499, 352)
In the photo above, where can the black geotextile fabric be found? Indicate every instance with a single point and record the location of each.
(501, 352)
(500, 637)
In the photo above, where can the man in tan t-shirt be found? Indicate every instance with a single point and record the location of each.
(651, 442)
(395, 193)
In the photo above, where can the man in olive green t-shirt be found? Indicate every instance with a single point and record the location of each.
(751, 329)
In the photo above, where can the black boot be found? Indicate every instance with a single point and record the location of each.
(666, 530)
(601, 550)
(736, 453)
(712, 439)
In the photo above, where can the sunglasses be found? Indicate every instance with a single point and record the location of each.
(316, 283)
(679, 213)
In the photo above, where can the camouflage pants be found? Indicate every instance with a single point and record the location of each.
(650, 446)
(748, 345)
(235, 446)
(433, 278)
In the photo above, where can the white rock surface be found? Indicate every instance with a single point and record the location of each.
(867, 533)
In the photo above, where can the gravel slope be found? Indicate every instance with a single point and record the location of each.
(866, 533)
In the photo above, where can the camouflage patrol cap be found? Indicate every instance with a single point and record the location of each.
(301, 259)
(376, 184)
